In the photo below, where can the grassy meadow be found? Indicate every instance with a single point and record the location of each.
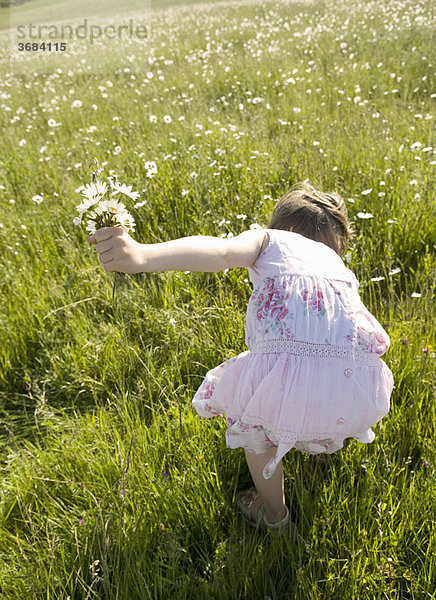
(111, 486)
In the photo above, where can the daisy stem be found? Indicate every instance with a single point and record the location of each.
(113, 288)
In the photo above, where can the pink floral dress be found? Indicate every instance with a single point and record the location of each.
(313, 375)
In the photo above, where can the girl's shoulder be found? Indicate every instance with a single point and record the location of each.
(284, 252)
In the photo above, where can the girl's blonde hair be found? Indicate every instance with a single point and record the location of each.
(316, 215)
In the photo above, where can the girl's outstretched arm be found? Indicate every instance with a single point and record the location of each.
(118, 251)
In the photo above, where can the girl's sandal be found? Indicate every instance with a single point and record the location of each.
(245, 501)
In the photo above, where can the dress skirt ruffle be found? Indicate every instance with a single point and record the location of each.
(309, 403)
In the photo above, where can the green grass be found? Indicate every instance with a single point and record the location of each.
(111, 486)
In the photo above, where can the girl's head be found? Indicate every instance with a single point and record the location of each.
(316, 215)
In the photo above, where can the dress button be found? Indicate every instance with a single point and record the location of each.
(340, 421)
(348, 372)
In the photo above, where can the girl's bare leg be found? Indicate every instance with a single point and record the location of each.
(271, 490)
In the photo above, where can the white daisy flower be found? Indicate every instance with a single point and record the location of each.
(365, 215)
(122, 188)
(126, 221)
(37, 198)
(111, 206)
(95, 190)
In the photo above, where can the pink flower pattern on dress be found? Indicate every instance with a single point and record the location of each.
(325, 443)
(270, 303)
(368, 341)
(315, 302)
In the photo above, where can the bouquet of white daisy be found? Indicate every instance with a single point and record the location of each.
(100, 206)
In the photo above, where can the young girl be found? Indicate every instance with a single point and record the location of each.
(312, 376)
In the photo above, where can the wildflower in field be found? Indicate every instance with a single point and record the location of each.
(153, 119)
(415, 295)
(38, 199)
(76, 104)
(167, 119)
(366, 192)
(151, 168)
(365, 215)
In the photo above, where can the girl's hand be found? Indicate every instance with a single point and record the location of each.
(117, 250)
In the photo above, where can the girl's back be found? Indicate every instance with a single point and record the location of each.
(303, 292)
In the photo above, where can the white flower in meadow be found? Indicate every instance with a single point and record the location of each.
(153, 119)
(95, 190)
(395, 271)
(185, 193)
(151, 168)
(242, 216)
(415, 295)
(413, 182)
(377, 278)
(37, 198)
(364, 215)
(256, 226)
(77, 220)
(77, 104)
(1, 225)
(257, 100)
(347, 257)
(122, 188)
(52, 123)
(366, 192)
(167, 119)
(22, 143)
(117, 150)
(296, 109)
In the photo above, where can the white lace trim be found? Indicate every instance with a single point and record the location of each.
(299, 348)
